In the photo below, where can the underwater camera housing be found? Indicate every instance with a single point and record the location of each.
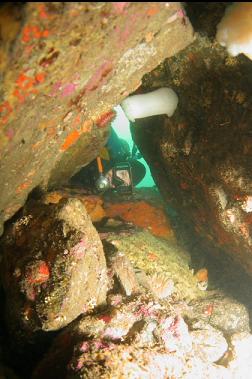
(122, 178)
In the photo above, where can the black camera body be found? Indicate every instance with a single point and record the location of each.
(122, 178)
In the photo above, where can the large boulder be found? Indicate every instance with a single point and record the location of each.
(53, 267)
(70, 65)
(200, 158)
(135, 339)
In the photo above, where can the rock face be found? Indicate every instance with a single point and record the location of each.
(200, 158)
(53, 266)
(93, 204)
(158, 259)
(156, 320)
(222, 313)
(238, 359)
(209, 344)
(137, 338)
(70, 65)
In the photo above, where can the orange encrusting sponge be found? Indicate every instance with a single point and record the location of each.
(142, 214)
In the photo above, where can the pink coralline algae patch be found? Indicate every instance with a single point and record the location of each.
(79, 250)
(175, 334)
(56, 88)
(79, 364)
(96, 344)
(115, 299)
(88, 347)
(10, 133)
(100, 345)
(181, 13)
(68, 89)
(120, 6)
(99, 76)
(63, 90)
(145, 310)
(124, 34)
(85, 347)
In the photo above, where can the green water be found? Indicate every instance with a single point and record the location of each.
(121, 126)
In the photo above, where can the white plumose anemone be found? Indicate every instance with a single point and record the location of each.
(235, 29)
(160, 101)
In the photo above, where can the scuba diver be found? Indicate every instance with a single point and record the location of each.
(116, 168)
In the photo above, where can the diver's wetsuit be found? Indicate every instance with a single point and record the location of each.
(118, 151)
